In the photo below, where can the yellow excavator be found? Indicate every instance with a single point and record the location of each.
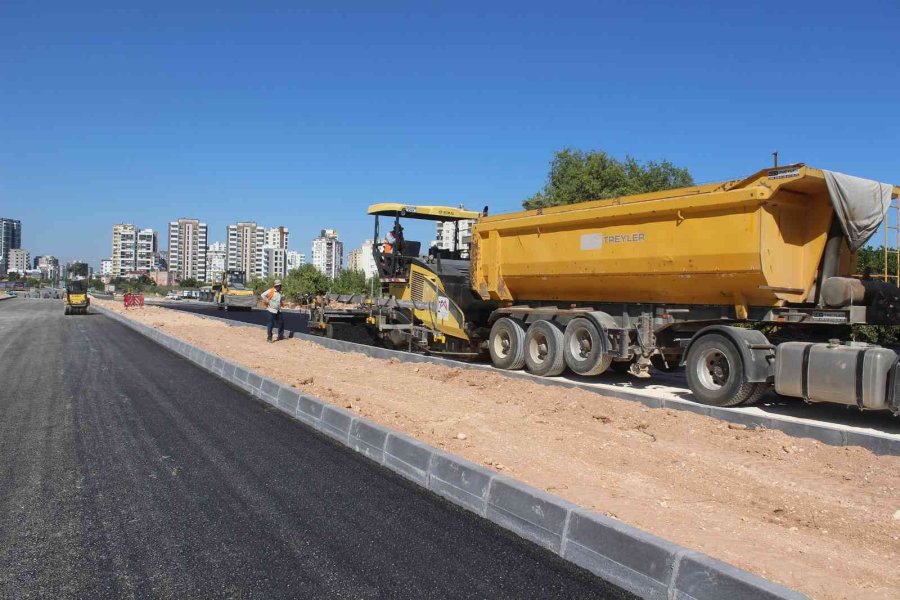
(76, 299)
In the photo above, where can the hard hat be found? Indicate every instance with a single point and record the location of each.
(277, 282)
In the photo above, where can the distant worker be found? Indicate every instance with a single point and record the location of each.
(387, 246)
(272, 300)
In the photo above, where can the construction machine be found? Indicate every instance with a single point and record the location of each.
(76, 299)
(684, 278)
(230, 293)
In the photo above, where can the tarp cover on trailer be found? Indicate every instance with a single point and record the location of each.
(860, 205)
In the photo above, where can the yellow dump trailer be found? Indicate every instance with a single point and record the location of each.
(755, 242)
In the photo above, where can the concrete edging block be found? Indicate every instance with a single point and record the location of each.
(459, 480)
(529, 512)
(408, 457)
(626, 556)
(309, 411)
(336, 423)
(701, 577)
(288, 400)
(254, 380)
(368, 439)
(269, 390)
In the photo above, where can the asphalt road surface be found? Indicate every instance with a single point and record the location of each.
(127, 472)
(293, 321)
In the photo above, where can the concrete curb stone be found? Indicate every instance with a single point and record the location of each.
(459, 481)
(368, 439)
(408, 457)
(309, 411)
(635, 560)
(541, 517)
(336, 422)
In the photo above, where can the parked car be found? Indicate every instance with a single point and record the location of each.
(172, 296)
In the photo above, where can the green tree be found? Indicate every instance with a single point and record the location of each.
(304, 282)
(77, 268)
(578, 176)
(350, 282)
(190, 282)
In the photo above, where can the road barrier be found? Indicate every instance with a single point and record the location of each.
(134, 300)
(637, 561)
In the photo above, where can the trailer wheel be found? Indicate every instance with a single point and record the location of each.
(715, 373)
(507, 344)
(583, 348)
(544, 343)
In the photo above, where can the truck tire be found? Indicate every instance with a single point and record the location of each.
(715, 373)
(583, 348)
(544, 343)
(507, 344)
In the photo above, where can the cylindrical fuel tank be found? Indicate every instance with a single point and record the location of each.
(754, 242)
(835, 373)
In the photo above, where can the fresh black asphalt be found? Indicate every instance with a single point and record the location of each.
(125, 471)
(293, 321)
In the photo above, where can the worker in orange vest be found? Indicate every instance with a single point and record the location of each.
(272, 298)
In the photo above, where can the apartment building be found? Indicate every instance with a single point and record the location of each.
(328, 253)
(445, 231)
(124, 249)
(362, 259)
(19, 261)
(187, 249)
(216, 261)
(245, 243)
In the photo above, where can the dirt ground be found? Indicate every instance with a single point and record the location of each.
(820, 519)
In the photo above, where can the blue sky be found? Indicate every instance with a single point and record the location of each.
(302, 114)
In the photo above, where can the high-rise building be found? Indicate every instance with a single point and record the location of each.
(19, 261)
(295, 260)
(124, 249)
(362, 259)
(277, 237)
(274, 262)
(445, 234)
(106, 267)
(328, 253)
(245, 249)
(146, 251)
(274, 252)
(48, 266)
(10, 237)
(216, 260)
(187, 249)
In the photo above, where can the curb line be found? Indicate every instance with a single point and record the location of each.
(831, 436)
(639, 562)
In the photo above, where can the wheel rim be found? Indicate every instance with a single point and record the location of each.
(713, 369)
(538, 348)
(581, 344)
(502, 343)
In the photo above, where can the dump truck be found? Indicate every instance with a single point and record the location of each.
(230, 293)
(746, 284)
(76, 299)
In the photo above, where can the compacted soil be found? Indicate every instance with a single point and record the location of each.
(820, 519)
